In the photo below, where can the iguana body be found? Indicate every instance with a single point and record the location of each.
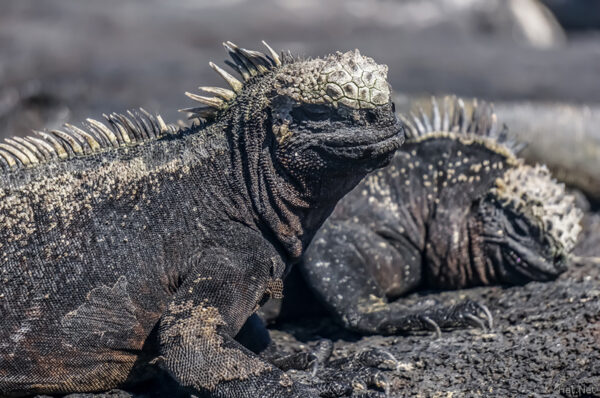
(150, 247)
(455, 208)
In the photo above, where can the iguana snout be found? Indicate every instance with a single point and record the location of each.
(535, 224)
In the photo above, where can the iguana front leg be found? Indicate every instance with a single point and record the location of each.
(220, 291)
(354, 269)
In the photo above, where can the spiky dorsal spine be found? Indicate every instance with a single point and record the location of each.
(72, 141)
(453, 118)
(522, 187)
(135, 127)
(247, 63)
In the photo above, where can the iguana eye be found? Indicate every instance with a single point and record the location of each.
(521, 227)
(311, 112)
(370, 116)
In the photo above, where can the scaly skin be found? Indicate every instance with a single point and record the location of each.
(137, 247)
(456, 208)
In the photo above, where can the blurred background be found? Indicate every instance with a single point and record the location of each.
(66, 60)
(71, 59)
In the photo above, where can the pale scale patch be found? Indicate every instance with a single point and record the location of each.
(534, 188)
(349, 78)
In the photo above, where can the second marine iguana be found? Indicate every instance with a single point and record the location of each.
(455, 208)
(130, 244)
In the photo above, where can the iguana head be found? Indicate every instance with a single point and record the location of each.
(304, 132)
(530, 224)
(328, 121)
(333, 117)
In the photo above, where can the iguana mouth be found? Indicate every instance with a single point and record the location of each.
(530, 266)
(365, 143)
(390, 144)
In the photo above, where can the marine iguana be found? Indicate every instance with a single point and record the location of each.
(455, 208)
(130, 243)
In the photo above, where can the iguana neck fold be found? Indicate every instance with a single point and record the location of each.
(281, 207)
(459, 259)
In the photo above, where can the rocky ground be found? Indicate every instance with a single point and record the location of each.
(545, 342)
(63, 60)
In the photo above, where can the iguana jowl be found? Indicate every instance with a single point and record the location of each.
(130, 244)
(455, 208)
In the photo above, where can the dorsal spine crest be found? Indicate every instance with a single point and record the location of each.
(248, 64)
(453, 118)
(134, 127)
(73, 141)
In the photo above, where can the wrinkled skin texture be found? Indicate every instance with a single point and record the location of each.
(151, 257)
(435, 219)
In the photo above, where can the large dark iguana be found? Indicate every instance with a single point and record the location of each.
(455, 208)
(132, 244)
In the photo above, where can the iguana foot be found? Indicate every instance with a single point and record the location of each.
(366, 368)
(376, 358)
(358, 376)
(308, 360)
(369, 379)
(462, 315)
(363, 382)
